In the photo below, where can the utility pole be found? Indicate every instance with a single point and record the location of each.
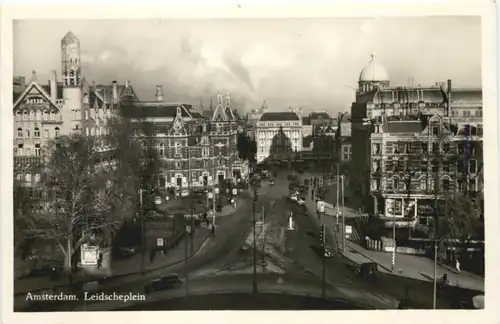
(186, 233)
(190, 179)
(254, 286)
(343, 216)
(338, 193)
(141, 214)
(436, 222)
(263, 236)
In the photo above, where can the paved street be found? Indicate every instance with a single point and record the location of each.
(214, 253)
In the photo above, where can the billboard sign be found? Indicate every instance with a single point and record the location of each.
(89, 255)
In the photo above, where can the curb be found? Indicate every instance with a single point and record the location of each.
(120, 275)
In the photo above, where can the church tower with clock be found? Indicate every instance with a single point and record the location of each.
(71, 78)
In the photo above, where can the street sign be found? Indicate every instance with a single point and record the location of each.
(235, 191)
(159, 242)
(348, 229)
(89, 255)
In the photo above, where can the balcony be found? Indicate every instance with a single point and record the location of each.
(55, 120)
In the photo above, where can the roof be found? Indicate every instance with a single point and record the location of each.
(59, 90)
(279, 116)
(374, 71)
(144, 109)
(306, 121)
(69, 38)
(319, 115)
(404, 127)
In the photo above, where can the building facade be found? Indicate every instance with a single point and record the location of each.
(193, 149)
(65, 106)
(414, 144)
(278, 136)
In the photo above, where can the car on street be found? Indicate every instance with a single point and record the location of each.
(301, 201)
(271, 182)
(184, 193)
(294, 197)
(157, 200)
(328, 252)
(170, 281)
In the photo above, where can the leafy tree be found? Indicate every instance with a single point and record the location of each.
(247, 148)
(81, 201)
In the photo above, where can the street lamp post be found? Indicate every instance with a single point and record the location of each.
(343, 216)
(142, 231)
(254, 280)
(219, 145)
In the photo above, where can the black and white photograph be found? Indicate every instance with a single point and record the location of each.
(305, 163)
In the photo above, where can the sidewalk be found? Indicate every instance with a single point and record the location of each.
(119, 268)
(409, 266)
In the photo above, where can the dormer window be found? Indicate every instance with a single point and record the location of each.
(435, 130)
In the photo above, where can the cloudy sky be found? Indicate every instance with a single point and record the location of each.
(309, 63)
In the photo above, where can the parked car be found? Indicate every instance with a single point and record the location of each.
(367, 269)
(294, 197)
(301, 201)
(271, 182)
(157, 200)
(184, 193)
(166, 282)
(328, 252)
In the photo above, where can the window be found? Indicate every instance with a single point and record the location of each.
(424, 147)
(435, 147)
(423, 166)
(446, 147)
(86, 114)
(32, 115)
(37, 149)
(20, 149)
(396, 148)
(18, 115)
(376, 148)
(395, 184)
(25, 115)
(221, 162)
(56, 132)
(205, 152)
(346, 153)
(92, 113)
(461, 148)
(38, 115)
(407, 148)
(27, 133)
(435, 166)
(177, 165)
(37, 132)
(473, 131)
(435, 130)
(446, 167)
(446, 184)
(19, 132)
(472, 166)
(52, 115)
(28, 177)
(423, 183)
(161, 149)
(45, 115)
(177, 148)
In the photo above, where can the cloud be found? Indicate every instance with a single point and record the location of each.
(289, 62)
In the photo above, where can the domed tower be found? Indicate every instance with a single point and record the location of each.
(71, 78)
(372, 76)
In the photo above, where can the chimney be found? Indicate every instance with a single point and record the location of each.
(127, 84)
(448, 90)
(53, 86)
(115, 92)
(159, 92)
(204, 127)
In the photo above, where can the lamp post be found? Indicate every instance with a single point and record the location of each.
(214, 189)
(254, 280)
(141, 214)
(343, 216)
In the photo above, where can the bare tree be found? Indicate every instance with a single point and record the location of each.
(80, 202)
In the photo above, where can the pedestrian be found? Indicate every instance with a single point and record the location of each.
(212, 230)
(152, 256)
(99, 261)
(457, 265)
